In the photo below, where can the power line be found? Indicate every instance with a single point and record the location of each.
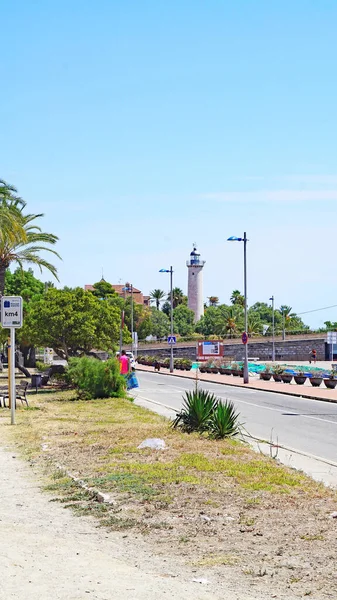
(317, 309)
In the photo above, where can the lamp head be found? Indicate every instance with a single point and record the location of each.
(233, 238)
(164, 271)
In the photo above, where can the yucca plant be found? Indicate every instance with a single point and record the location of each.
(224, 420)
(196, 414)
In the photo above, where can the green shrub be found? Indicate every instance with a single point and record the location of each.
(202, 411)
(94, 378)
(42, 366)
(224, 420)
(197, 409)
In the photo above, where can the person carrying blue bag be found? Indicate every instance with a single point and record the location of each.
(132, 381)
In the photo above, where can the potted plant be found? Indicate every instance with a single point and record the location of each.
(316, 379)
(202, 368)
(286, 377)
(209, 366)
(236, 369)
(266, 374)
(277, 373)
(225, 369)
(187, 364)
(215, 366)
(300, 377)
(331, 381)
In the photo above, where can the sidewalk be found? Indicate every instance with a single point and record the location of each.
(292, 389)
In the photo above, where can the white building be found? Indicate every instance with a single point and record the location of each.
(195, 284)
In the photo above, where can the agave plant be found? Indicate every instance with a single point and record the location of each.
(197, 411)
(224, 420)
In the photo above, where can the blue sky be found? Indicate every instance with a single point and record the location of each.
(139, 127)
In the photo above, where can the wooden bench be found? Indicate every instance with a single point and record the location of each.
(21, 393)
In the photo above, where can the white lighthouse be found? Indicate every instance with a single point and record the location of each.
(195, 287)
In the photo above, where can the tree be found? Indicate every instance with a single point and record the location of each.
(103, 290)
(72, 321)
(254, 323)
(237, 298)
(178, 297)
(213, 300)
(23, 283)
(159, 324)
(183, 319)
(166, 308)
(157, 296)
(23, 244)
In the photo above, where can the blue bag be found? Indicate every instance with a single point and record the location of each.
(132, 381)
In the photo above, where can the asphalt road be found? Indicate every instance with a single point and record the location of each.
(309, 426)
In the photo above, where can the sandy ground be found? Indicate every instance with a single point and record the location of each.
(46, 552)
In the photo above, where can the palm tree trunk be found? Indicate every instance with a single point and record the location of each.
(2, 279)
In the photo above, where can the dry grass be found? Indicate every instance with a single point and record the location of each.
(217, 502)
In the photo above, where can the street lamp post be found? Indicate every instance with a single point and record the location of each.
(244, 240)
(273, 350)
(283, 324)
(129, 288)
(122, 325)
(170, 270)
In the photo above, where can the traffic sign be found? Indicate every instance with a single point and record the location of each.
(171, 339)
(244, 338)
(11, 311)
(331, 337)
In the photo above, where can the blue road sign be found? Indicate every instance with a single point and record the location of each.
(171, 339)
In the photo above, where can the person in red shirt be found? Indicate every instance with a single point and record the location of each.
(313, 356)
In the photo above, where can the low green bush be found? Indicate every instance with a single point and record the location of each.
(42, 366)
(94, 378)
(202, 411)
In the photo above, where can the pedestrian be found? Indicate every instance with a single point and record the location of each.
(313, 356)
(124, 364)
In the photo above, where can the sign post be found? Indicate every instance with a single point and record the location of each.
(11, 318)
(244, 338)
(331, 338)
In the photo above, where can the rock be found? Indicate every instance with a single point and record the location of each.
(334, 515)
(202, 580)
(153, 443)
(205, 518)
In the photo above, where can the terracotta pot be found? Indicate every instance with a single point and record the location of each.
(277, 378)
(330, 383)
(236, 372)
(265, 376)
(316, 381)
(202, 369)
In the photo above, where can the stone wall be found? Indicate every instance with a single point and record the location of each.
(284, 350)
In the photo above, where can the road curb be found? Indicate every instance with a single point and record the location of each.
(251, 387)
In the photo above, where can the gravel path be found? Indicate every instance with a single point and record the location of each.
(46, 552)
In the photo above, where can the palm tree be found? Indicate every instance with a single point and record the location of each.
(25, 242)
(157, 296)
(237, 298)
(178, 297)
(287, 315)
(213, 300)
(10, 213)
